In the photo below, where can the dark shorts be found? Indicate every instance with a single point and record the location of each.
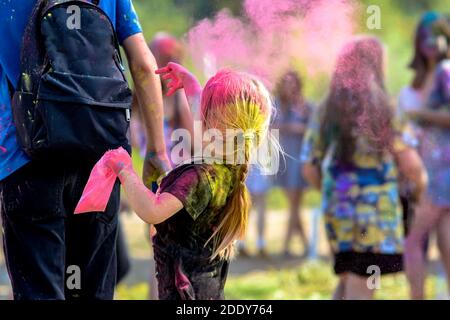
(359, 263)
(183, 276)
(46, 245)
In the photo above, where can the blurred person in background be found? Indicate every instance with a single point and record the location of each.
(426, 102)
(292, 116)
(353, 151)
(166, 48)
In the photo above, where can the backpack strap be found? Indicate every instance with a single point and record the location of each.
(31, 55)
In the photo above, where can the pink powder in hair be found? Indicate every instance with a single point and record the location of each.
(223, 88)
(271, 35)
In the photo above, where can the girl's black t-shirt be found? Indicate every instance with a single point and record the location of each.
(203, 189)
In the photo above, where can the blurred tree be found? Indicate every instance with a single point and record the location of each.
(207, 8)
(398, 22)
(162, 15)
(412, 7)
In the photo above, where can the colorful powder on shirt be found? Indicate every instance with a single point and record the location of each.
(271, 35)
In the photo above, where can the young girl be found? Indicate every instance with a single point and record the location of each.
(426, 102)
(292, 117)
(354, 150)
(201, 209)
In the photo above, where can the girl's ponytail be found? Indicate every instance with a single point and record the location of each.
(235, 216)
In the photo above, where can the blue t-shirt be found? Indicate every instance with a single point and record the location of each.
(14, 17)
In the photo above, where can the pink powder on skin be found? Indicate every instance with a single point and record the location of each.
(271, 35)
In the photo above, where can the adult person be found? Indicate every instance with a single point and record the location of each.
(42, 237)
(293, 113)
(353, 151)
(432, 121)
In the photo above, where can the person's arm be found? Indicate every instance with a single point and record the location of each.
(179, 78)
(434, 118)
(296, 128)
(312, 175)
(149, 95)
(135, 123)
(411, 168)
(150, 207)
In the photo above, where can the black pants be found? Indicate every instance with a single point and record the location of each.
(123, 258)
(50, 252)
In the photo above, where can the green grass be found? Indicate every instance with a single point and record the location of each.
(136, 292)
(312, 281)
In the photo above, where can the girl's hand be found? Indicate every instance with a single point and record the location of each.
(176, 74)
(117, 160)
(101, 181)
(179, 78)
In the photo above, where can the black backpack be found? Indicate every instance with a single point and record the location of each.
(72, 101)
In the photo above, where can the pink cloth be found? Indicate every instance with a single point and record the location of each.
(101, 181)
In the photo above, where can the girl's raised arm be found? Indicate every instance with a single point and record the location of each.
(179, 78)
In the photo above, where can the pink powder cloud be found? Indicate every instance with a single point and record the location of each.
(271, 35)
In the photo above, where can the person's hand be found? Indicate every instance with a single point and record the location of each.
(117, 160)
(156, 166)
(179, 78)
(443, 26)
(413, 115)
